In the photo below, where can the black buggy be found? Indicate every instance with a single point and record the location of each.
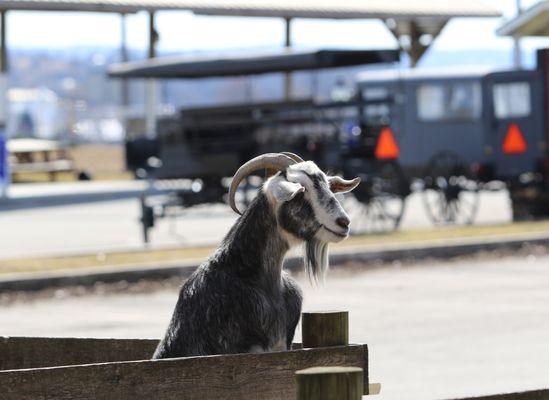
(466, 130)
(195, 149)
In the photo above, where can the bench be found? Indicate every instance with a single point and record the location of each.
(28, 156)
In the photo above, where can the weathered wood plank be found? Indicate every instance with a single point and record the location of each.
(242, 376)
(330, 383)
(366, 371)
(529, 395)
(35, 352)
(324, 329)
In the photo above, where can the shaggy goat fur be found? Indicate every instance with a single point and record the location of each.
(240, 300)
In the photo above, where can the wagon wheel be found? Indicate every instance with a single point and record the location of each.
(377, 204)
(451, 190)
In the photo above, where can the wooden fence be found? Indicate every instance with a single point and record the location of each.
(59, 368)
(69, 368)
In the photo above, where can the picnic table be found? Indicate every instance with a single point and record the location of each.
(39, 156)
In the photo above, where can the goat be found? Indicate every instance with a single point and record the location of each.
(240, 300)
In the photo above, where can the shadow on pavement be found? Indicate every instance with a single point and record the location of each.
(23, 203)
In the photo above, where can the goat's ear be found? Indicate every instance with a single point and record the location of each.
(285, 191)
(340, 185)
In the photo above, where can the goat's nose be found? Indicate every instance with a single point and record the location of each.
(343, 222)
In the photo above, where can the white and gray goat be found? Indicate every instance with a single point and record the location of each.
(240, 300)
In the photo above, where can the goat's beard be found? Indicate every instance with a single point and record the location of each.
(316, 259)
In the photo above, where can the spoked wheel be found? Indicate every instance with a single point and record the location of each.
(451, 191)
(377, 204)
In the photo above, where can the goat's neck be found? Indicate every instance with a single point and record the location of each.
(254, 244)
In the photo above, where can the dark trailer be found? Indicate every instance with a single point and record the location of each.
(467, 111)
(227, 133)
(462, 130)
(209, 143)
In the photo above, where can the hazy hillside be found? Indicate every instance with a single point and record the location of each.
(87, 96)
(80, 74)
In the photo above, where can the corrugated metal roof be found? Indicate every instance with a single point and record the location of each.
(343, 9)
(249, 64)
(532, 22)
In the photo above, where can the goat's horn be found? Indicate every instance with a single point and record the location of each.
(276, 161)
(293, 156)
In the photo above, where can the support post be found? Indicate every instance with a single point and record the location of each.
(124, 83)
(517, 56)
(3, 47)
(416, 50)
(287, 46)
(329, 383)
(288, 32)
(325, 329)
(151, 89)
(153, 36)
(5, 177)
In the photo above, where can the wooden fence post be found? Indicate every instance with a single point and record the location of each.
(329, 383)
(325, 329)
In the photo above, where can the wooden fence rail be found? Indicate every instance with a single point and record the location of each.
(37, 352)
(330, 383)
(239, 376)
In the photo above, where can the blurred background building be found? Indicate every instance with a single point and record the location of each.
(68, 52)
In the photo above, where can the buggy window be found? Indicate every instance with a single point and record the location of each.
(377, 110)
(459, 101)
(375, 93)
(512, 100)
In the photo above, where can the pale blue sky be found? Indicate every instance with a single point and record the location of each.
(182, 31)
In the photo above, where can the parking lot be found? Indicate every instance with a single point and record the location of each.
(105, 216)
(435, 331)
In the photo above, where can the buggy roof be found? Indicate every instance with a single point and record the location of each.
(250, 64)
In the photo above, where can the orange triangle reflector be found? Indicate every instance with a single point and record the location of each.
(514, 142)
(387, 147)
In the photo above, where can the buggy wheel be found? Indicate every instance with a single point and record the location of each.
(451, 190)
(377, 204)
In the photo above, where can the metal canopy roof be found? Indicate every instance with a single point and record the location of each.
(532, 22)
(274, 8)
(281, 61)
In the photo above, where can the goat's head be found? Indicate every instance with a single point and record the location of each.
(304, 202)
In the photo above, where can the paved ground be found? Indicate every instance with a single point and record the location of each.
(435, 331)
(75, 217)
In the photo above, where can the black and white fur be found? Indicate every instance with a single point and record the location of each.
(240, 300)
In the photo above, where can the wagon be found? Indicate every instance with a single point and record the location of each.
(462, 130)
(208, 143)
